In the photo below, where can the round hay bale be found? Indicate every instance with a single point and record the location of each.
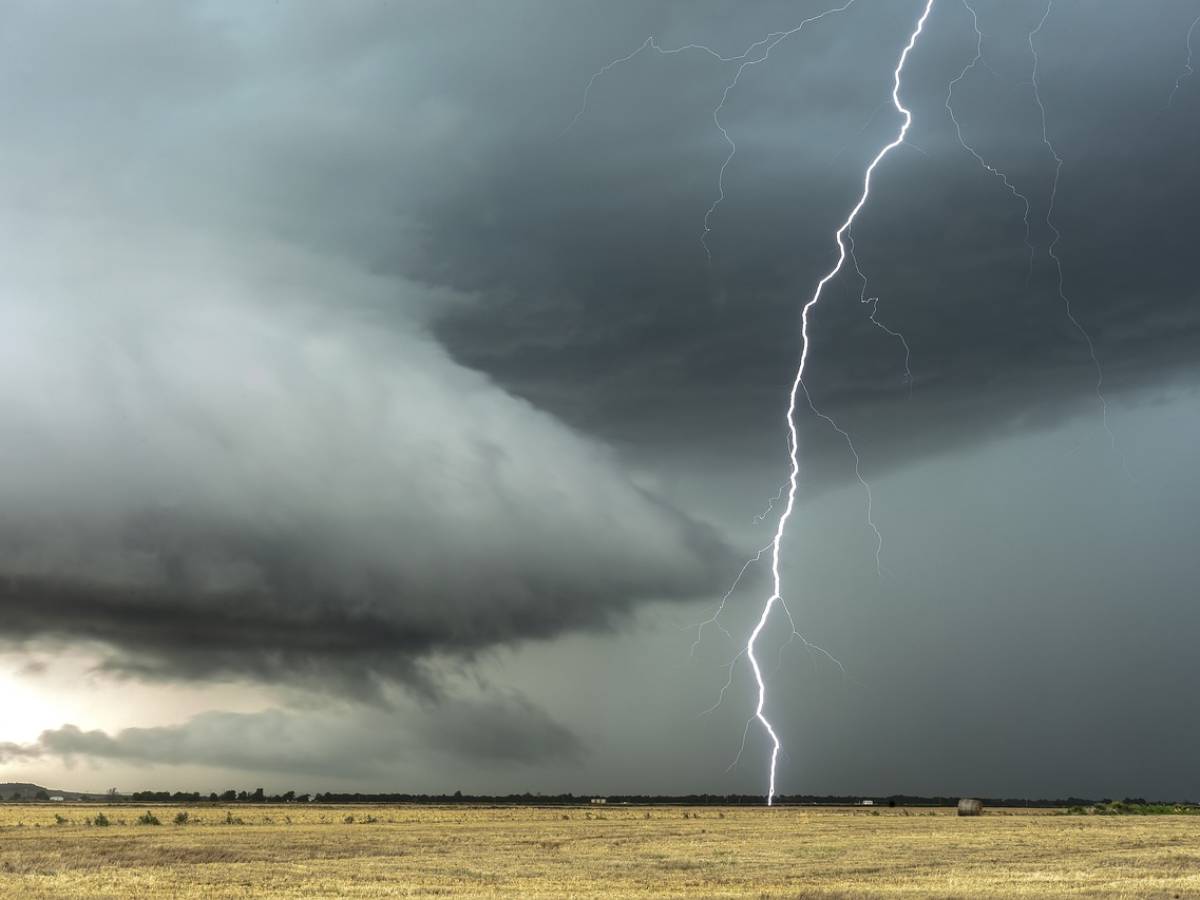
(969, 807)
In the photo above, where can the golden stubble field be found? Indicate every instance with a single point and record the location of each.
(303, 850)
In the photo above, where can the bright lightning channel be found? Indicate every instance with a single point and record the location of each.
(798, 384)
(755, 54)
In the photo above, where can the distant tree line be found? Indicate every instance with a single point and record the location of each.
(259, 795)
(36, 795)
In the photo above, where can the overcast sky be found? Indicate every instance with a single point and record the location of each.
(375, 418)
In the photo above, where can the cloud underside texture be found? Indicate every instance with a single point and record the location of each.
(230, 444)
(223, 491)
(499, 729)
(272, 302)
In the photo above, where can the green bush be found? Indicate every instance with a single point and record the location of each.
(148, 818)
(181, 818)
(101, 820)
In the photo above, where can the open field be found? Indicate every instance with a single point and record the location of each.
(303, 850)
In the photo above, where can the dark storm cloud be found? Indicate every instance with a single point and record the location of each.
(588, 245)
(501, 729)
(228, 447)
(219, 492)
(425, 141)
(312, 316)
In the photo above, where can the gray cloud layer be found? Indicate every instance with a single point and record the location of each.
(215, 490)
(228, 446)
(314, 321)
(501, 729)
(623, 299)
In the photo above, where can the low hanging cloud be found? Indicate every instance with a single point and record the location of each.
(499, 729)
(229, 444)
(209, 485)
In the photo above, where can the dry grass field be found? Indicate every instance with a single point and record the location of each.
(614, 852)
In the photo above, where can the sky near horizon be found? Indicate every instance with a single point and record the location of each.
(374, 417)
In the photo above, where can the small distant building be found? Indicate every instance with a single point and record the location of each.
(58, 799)
(969, 807)
(599, 801)
(868, 803)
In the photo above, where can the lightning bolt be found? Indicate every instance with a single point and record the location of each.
(753, 55)
(776, 596)
(1056, 236)
(1187, 66)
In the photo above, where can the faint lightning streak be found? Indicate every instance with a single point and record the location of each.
(770, 43)
(760, 517)
(742, 748)
(715, 618)
(908, 377)
(958, 128)
(746, 58)
(1052, 249)
(857, 474)
(808, 645)
(874, 301)
(652, 44)
(797, 384)
(1188, 71)
(865, 125)
(587, 91)
(727, 685)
